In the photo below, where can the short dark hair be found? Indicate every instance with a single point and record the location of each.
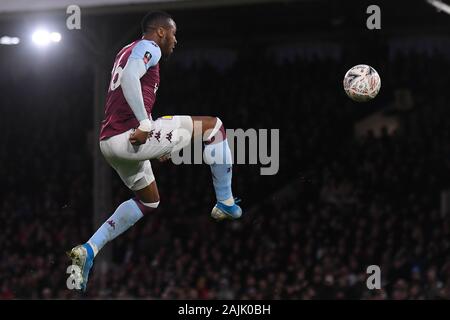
(155, 19)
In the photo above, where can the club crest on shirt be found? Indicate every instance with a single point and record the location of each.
(147, 57)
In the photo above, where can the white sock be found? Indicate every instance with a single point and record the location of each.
(218, 156)
(125, 216)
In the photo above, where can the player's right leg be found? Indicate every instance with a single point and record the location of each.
(217, 155)
(172, 133)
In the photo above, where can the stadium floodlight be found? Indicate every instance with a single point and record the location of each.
(5, 40)
(440, 6)
(42, 37)
(55, 36)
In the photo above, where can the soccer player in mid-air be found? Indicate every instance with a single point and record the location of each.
(129, 138)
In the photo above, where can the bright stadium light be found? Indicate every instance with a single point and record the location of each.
(41, 37)
(55, 36)
(5, 40)
(440, 6)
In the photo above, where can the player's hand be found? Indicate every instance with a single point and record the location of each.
(138, 137)
(164, 158)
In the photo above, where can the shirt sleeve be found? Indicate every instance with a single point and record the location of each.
(144, 55)
(146, 51)
(131, 87)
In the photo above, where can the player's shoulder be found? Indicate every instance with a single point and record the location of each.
(147, 50)
(144, 46)
(148, 45)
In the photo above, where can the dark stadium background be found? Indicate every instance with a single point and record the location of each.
(345, 196)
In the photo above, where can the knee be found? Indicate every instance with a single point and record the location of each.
(147, 207)
(217, 122)
(211, 123)
(216, 131)
(154, 204)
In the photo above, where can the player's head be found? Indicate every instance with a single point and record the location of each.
(161, 28)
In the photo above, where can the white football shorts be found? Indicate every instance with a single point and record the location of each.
(168, 134)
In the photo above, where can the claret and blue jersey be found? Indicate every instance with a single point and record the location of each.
(119, 117)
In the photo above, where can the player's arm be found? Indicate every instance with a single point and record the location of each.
(143, 56)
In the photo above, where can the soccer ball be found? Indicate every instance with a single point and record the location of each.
(362, 83)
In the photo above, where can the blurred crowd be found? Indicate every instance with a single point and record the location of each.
(348, 202)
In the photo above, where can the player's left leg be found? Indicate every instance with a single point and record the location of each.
(138, 176)
(125, 216)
